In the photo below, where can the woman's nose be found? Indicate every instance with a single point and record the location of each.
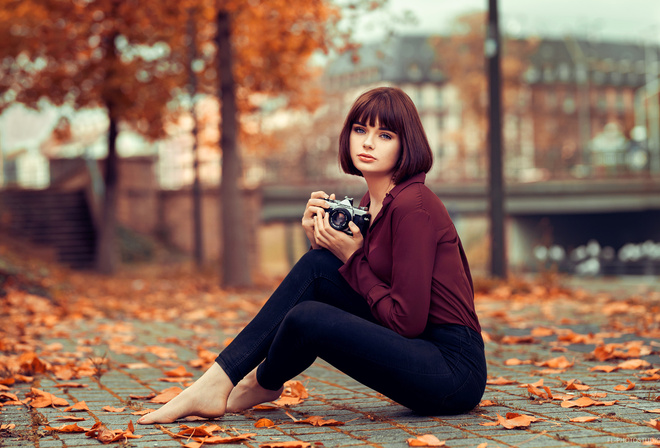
(368, 142)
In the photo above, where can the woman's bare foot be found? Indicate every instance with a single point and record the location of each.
(248, 392)
(206, 397)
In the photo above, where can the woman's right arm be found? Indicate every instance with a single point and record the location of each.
(316, 205)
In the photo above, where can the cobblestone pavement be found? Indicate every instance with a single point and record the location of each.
(369, 418)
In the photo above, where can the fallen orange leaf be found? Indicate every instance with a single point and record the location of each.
(103, 434)
(584, 402)
(513, 420)
(292, 444)
(425, 440)
(319, 421)
(654, 377)
(166, 395)
(606, 369)
(501, 381)
(179, 372)
(515, 362)
(518, 339)
(542, 332)
(585, 419)
(67, 428)
(198, 431)
(113, 409)
(594, 394)
(629, 386)
(71, 385)
(574, 385)
(142, 397)
(69, 418)
(294, 393)
(264, 423)
(41, 399)
(78, 407)
(633, 364)
(556, 363)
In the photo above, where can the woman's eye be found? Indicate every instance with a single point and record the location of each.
(386, 136)
(358, 130)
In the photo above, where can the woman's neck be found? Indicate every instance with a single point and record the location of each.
(378, 188)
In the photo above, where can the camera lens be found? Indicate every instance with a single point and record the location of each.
(339, 218)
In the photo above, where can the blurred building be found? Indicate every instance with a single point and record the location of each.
(583, 107)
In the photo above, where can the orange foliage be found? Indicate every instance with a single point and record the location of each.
(425, 440)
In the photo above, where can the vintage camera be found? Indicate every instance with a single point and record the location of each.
(342, 212)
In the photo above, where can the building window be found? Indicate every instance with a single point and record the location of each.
(532, 75)
(550, 99)
(569, 104)
(414, 72)
(548, 74)
(601, 101)
(598, 77)
(581, 74)
(564, 72)
(439, 100)
(620, 101)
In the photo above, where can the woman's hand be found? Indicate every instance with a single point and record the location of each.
(316, 206)
(339, 243)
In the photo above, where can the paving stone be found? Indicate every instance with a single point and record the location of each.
(370, 419)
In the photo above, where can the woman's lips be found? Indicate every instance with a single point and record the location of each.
(366, 157)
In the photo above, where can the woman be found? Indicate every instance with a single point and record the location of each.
(393, 309)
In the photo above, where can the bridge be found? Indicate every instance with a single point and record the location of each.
(565, 215)
(282, 202)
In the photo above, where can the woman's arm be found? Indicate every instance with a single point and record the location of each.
(403, 304)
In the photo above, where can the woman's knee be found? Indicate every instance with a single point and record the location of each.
(304, 318)
(320, 260)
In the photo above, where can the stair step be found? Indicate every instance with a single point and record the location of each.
(60, 220)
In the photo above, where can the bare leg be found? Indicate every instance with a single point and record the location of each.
(248, 392)
(206, 397)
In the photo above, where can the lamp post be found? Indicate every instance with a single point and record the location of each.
(492, 50)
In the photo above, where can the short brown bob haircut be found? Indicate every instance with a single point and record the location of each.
(395, 111)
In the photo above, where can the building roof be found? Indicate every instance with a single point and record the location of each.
(398, 59)
(570, 60)
(412, 59)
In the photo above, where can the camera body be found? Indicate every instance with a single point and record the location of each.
(342, 212)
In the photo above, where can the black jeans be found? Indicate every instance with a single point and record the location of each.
(315, 313)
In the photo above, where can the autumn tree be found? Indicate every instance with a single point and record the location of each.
(461, 56)
(130, 58)
(109, 54)
(261, 51)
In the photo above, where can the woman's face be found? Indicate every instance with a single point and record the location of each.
(375, 150)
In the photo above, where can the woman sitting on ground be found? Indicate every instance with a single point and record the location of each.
(393, 308)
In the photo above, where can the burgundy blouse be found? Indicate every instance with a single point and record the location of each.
(412, 268)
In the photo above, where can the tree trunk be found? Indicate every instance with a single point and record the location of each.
(235, 269)
(196, 188)
(107, 255)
